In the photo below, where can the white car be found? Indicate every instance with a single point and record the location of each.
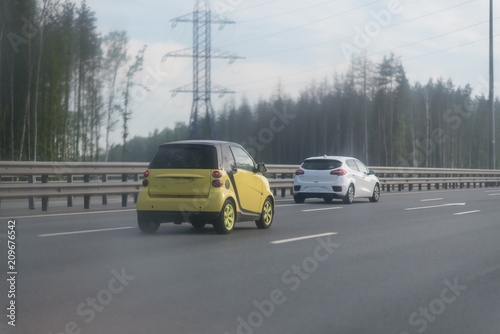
(330, 177)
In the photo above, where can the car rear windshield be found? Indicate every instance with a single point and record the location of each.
(321, 164)
(188, 156)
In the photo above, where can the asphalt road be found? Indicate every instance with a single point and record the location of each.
(421, 262)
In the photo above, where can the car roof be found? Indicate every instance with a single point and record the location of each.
(201, 142)
(330, 157)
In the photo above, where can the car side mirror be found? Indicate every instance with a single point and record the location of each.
(371, 173)
(234, 168)
(261, 167)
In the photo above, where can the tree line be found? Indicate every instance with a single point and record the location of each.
(371, 112)
(64, 88)
(62, 84)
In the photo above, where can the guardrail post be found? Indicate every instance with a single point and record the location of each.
(86, 198)
(69, 198)
(45, 199)
(105, 196)
(31, 199)
(283, 190)
(275, 191)
(124, 196)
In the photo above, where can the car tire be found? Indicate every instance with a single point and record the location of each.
(298, 199)
(224, 224)
(376, 194)
(147, 225)
(349, 196)
(266, 216)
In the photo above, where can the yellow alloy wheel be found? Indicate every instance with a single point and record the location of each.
(266, 217)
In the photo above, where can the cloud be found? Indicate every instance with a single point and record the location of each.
(293, 43)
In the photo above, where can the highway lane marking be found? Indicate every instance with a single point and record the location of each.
(71, 214)
(494, 194)
(491, 191)
(87, 231)
(283, 205)
(322, 209)
(431, 199)
(483, 273)
(435, 206)
(277, 242)
(466, 212)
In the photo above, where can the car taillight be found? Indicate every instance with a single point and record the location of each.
(145, 182)
(299, 172)
(338, 172)
(217, 174)
(217, 183)
(146, 174)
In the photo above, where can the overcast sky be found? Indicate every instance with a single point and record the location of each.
(295, 43)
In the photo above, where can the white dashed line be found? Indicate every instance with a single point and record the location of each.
(431, 199)
(322, 209)
(87, 231)
(435, 206)
(466, 212)
(302, 238)
(73, 214)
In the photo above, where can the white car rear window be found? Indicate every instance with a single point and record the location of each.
(321, 164)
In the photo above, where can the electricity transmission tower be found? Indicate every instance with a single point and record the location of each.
(202, 54)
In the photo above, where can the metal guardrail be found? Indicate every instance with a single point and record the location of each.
(392, 178)
(55, 179)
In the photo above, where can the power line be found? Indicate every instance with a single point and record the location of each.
(346, 61)
(301, 25)
(376, 53)
(352, 35)
(254, 6)
(289, 12)
(450, 48)
(433, 37)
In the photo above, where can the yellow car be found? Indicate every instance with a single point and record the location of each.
(204, 182)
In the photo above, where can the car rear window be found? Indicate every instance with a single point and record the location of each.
(321, 164)
(189, 156)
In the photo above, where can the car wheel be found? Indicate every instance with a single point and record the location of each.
(376, 194)
(328, 199)
(267, 215)
(298, 199)
(349, 196)
(146, 225)
(225, 222)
